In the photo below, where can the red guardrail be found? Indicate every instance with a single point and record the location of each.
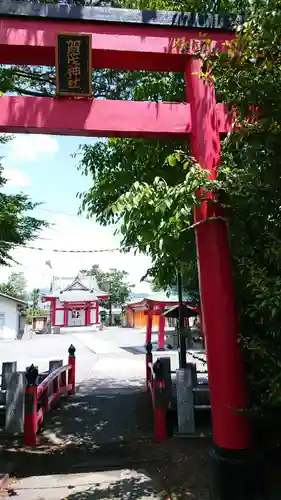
(156, 385)
(40, 399)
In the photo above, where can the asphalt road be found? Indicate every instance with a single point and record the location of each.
(44, 348)
(90, 346)
(115, 348)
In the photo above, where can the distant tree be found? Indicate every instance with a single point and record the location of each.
(15, 286)
(30, 313)
(7, 289)
(35, 298)
(114, 282)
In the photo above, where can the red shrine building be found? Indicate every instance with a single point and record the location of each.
(74, 301)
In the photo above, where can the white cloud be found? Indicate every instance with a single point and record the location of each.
(29, 147)
(15, 178)
(78, 234)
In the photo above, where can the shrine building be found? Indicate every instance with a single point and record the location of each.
(136, 311)
(74, 301)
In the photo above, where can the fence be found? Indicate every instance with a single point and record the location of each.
(24, 403)
(191, 396)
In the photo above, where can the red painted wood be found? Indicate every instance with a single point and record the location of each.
(87, 315)
(117, 46)
(30, 419)
(152, 313)
(160, 415)
(97, 313)
(225, 368)
(91, 117)
(71, 373)
(53, 312)
(65, 315)
(161, 332)
(75, 305)
(99, 118)
(148, 328)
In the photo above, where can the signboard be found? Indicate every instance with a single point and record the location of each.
(74, 64)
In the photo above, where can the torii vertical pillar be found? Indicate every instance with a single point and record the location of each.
(161, 331)
(149, 326)
(65, 314)
(230, 456)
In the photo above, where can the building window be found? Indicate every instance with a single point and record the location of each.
(2, 320)
(75, 314)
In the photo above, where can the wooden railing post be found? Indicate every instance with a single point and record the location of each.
(71, 373)
(30, 408)
(45, 401)
(63, 382)
(148, 360)
(160, 403)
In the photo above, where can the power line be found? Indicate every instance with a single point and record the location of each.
(101, 250)
(59, 250)
(61, 213)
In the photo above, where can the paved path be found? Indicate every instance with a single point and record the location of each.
(43, 348)
(110, 406)
(109, 412)
(107, 424)
(124, 484)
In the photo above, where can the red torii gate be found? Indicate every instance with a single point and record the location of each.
(125, 40)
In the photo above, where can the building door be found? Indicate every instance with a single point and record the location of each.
(76, 317)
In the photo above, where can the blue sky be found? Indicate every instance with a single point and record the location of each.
(42, 167)
(48, 173)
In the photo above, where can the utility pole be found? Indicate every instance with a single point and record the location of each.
(110, 304)
(182, 344)
(110, 311)
(32, 311)
(49, 264)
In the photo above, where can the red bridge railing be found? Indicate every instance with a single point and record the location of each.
(42, 398)
(156, 384)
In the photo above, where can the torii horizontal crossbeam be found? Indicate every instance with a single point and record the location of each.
(122, 39)
(123, 47)
(100, 118)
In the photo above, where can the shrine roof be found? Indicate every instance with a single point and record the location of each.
(76, 289)
(157, 298)
(171, 19)
(188, 311)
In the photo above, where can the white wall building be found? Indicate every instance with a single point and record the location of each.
(11, 318)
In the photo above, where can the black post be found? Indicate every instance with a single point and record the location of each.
(182, 344)
(31, 375)
(110, 311)
(236, 475)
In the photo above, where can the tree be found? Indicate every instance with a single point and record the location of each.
(114, 282)
(15, 286)
(156, 214)
(250, 174)
(35, 298)
(30, 312)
